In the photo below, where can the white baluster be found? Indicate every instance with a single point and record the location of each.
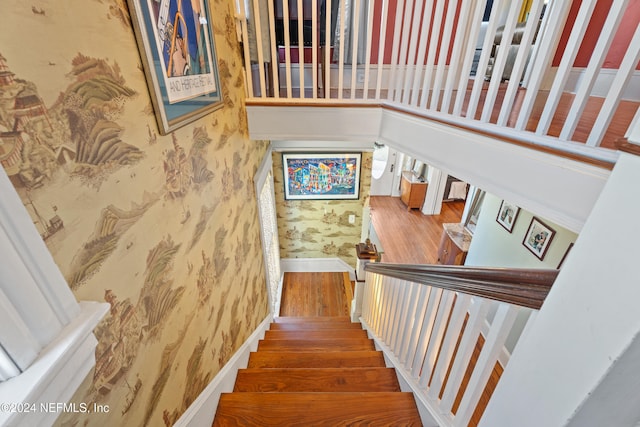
(477, 317)
(414, 337)
(411, 71)
(301, 47)
(395, 50)
(454, 331)
(566, 65)
(258, 41)
(493, 346)
(382, 42)
(500, 61)
(521, 61)
(471, 43)
(626, 70)
(447, 36)
(314, 48)
(287, 46)
(422, 54)
(439, 327)
(367, 62)
(478, 83)
(557, 12)
(588, 80)
(431, 56)
(425, 332)
(275, 61)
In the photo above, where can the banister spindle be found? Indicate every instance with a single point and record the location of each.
(588, 80)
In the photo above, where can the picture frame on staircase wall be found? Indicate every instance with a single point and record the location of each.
(176, 45)
(321, 176)
(538, 238)
(507, 215)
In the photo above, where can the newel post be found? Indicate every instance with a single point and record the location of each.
(365, 252)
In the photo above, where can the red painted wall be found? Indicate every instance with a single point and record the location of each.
(620, 43)
(391, 16)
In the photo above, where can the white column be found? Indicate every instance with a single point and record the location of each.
(435, 191)
(578, 364)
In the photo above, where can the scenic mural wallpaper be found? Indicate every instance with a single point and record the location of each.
(320, 228)
(163, 228)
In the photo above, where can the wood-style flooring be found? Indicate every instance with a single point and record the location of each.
(409, 237)
(315, 294)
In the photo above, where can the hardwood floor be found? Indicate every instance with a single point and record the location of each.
(409, 237)
(314, 294)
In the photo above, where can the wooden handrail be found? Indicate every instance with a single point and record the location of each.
(525, 287)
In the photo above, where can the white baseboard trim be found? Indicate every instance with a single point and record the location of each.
(428, 417)
(602, 84)
(203, 410)
(316, 265)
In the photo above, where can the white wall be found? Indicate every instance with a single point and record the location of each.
(578, 364)
(493, 246)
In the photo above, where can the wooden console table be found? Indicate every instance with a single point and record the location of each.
(454, 244)
(413, 191)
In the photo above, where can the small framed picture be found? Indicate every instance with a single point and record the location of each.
(507, 215)
(538, 238)
(176, 44)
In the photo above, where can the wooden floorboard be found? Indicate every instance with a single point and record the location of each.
(409, 237)
(313, 294)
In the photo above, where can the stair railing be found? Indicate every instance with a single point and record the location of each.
(467, 61)
(449, 330)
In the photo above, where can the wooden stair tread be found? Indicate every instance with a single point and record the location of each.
(316, 334)
(294, 326)
(327, 359)
(316, 345)
(312, 319)
(304, 409)
(316, 380)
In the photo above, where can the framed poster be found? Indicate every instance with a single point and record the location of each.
(322, 176)
(176, 45)
(507, 215)
(538, 238)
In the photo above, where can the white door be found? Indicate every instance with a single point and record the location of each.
(382, 170)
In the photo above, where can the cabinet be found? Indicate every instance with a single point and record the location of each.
(454, 244)
(412, 191)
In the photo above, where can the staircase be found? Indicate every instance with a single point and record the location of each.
(316, 371)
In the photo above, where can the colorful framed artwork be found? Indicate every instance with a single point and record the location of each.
(176, 44)
(538, 238)
(507, 215)
(321, 176)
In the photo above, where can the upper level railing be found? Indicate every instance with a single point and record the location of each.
(450, 330)
(536, 70)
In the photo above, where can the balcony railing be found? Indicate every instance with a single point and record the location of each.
(548, 72)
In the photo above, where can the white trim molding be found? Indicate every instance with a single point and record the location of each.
(37, 396)
(316, 265)
(203, 410)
